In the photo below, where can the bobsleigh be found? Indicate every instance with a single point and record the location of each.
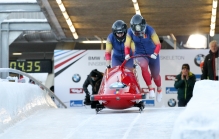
(119, 89)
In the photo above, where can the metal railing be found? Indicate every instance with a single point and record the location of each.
(50, 93)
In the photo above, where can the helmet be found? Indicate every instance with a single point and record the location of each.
(119, 27)
(138, 25)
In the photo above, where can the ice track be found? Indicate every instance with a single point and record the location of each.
(84, 123)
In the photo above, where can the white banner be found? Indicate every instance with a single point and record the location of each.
(73, 66)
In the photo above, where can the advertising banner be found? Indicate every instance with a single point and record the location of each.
(71, 68)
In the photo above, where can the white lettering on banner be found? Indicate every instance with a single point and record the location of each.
(172, 58)
(96, 63)
(76, 103)
(76, 90)
(170, 77)
(93, 58)
(171, 90)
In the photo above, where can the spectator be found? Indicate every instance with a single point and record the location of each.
(94, 79)
(184, 83)
(146, 43)
(210, 68)
(115, 42)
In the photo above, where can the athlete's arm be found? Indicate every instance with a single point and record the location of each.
(108, 51)
(133, 47)
(156, 41)
(127, 44)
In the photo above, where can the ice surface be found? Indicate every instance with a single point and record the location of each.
(198, 120)
(84, 123)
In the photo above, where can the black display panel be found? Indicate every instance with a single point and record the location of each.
(32, 66)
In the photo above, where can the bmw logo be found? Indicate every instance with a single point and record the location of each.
(171, 102)
(76, 78)
(198, 59)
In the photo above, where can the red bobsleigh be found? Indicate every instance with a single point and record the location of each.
(119, 89)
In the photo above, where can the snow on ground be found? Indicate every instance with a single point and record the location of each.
(18, 100)
(200, 118)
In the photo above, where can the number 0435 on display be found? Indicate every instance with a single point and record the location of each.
(32, 66)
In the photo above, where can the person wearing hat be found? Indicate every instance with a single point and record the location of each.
(210, 67)
(94, 79)
(184, 84)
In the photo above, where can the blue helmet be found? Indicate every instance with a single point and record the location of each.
(138, 25)
(119, 27)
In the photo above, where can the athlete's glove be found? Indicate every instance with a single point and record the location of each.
(108, 66)
(154, 56)
(127, 57)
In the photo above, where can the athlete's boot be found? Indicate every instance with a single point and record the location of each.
(151, 94)
(159, 94)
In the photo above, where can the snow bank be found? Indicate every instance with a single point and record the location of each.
(200, 119)
(18, 100)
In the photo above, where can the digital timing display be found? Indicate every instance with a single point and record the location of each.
(32, 66)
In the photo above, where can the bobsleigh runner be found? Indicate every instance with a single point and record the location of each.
(119, 89)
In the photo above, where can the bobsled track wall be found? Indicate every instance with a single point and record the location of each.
(19, 100)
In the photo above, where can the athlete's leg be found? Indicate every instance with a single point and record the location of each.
(143, 63)
(154, 65)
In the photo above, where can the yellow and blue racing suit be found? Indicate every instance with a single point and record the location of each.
(118, 48)
(146, 45)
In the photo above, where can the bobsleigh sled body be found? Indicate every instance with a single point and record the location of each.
(119, 90)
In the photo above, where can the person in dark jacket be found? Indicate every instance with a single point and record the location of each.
(211, 66)
(94, 79)
(184, 83)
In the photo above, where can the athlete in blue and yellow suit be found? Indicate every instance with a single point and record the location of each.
(146, 43)
(115, 42)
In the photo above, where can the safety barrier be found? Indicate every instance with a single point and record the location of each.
(50, 93)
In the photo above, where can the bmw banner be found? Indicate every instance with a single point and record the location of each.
(71, 68)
